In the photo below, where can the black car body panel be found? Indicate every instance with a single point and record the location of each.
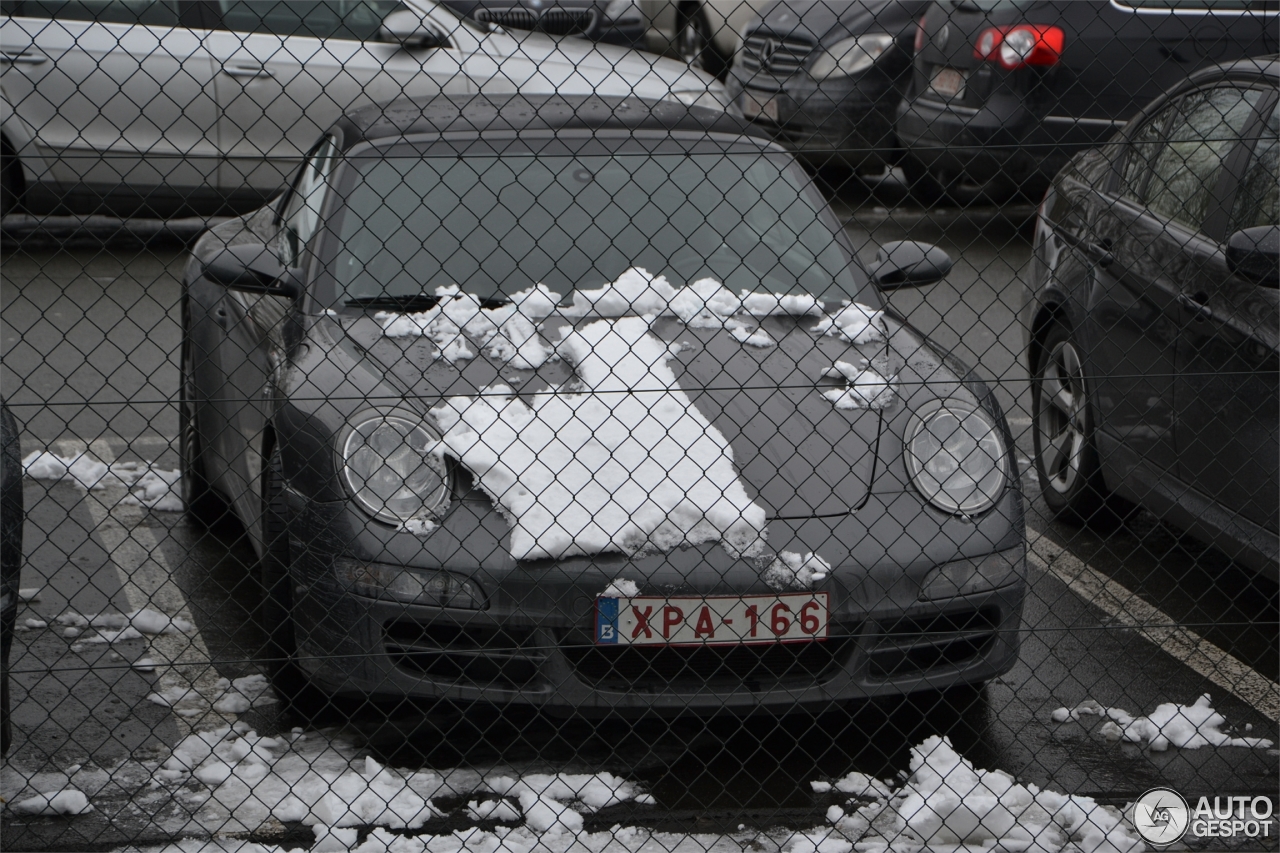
(1182, 353)
(302, 372)
(846, 119)
(1010, 127)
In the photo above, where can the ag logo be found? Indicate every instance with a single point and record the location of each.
(1161, 816)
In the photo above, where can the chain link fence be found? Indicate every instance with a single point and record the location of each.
(604, 427)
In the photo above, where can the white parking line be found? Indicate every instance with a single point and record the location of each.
(148, 582)
(1182, 644)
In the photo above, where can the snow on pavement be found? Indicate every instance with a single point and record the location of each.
(864, 387)
(1170, 724)
(626, 463)
(151, 487)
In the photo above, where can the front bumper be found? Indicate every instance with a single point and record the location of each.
(532, 644)
(849, 120)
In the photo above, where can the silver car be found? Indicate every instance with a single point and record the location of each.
(160, 108)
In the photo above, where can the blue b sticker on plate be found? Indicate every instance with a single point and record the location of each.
(606, 620)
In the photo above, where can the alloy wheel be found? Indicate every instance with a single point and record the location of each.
(1061, 417)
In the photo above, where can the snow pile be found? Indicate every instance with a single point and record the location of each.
(752, 337)
(323, 785)
(507, 332)
(769, 304)
(635, 292)
(855, 323)
(864, 389)
(544, 798)
(857, 784)
(118, 627)
(626, 464)
(704, 304)
(1171, 724)
(232, 696)
(947, 802)
(154, 488)
(68, 801)
(35, 623)
(790, 570)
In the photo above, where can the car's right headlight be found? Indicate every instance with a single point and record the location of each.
(390, 468)
(956, 456)
(849, 56)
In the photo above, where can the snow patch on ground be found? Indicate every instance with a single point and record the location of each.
(864, 388)
(946, 802)
(154, 488)
(1170, 724)
(752, 337)
(118, 627)
(68, 801)
(232, 697)
(790, 570)
(855, 322)
(857, 784)
(626, 464)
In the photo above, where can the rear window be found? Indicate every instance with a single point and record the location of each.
(153, 13)
(343, 19)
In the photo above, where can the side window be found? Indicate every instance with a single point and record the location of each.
(1205, 127)
(301, 214)
(345, 19)
(1141, 151)
(1258, 201)
(151, 13)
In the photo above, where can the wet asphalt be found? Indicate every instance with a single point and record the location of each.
(90, 341)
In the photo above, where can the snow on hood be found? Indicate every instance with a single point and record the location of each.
(620, 460)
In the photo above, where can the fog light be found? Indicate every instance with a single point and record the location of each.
(980, 574)
(413, 586)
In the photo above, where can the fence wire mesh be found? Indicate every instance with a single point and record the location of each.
(605, 426)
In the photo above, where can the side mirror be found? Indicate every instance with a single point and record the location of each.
(906, 263)
(408, 29)
(253, 268)
(1254, 254)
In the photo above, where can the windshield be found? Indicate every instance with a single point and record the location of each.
(497, 225)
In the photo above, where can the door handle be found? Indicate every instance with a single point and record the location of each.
(1196, 302)
(248, 71)
(23, 58)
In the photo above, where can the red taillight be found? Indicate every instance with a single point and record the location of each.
(1019, 46)
(920, 34)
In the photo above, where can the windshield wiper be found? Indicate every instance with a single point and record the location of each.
(408, 304)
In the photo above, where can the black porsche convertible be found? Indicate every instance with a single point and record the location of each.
(588, 404)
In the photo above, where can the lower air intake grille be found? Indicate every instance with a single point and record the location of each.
(907, 646)
(445, 652)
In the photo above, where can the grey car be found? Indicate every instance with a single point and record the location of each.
(403, 377)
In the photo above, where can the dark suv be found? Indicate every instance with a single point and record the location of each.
(1003, 92)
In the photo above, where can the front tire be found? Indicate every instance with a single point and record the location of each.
(1065, 456)
(296, 694)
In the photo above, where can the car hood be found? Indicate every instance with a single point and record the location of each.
(828, 22)
(534, 62)
(798, 455)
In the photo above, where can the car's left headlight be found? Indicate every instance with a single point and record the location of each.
(390, 469)
(849, 56)
(956, 456)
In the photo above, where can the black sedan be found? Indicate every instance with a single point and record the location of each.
(1003, 92)
(1154, 315)
(587, 404)
(827, 77)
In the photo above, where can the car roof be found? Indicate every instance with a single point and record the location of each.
(478, 116)
(1250, 66)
